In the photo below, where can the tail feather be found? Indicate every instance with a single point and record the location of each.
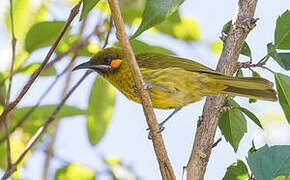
(257, 88)
(246, 82)
(266, 94)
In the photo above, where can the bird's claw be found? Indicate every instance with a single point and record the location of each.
(148, 86)
(161, 128)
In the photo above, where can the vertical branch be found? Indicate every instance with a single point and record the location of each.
(9, 162)
(5, 121)
(158, 144)
(243, 22)
(13, 44)
(108, 33)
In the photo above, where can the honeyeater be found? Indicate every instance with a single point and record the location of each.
(173, 82)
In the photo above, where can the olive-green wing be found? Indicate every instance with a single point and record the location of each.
(157, 61)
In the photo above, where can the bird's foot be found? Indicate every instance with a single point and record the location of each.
(161, 128)
(148, 87)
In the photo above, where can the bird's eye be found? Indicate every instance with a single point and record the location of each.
(107, 60)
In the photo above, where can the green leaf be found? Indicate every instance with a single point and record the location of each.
(69, 41)
(236, 171)
(142, 47)
(31, 68)
(270, 162)
(74, 172)
(22, 16)
(245, 48)
(284, 60)
(181, 28)
(226, 27)
(282, 31)
(155, 12)
(233, 125)
(283, 88)
(41, 114)
(88, 5)
(129, 15)
(100, 109)
(252, 116)
(43, 34)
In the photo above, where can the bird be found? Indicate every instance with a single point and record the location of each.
(173, 82)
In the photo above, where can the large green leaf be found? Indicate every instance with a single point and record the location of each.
(31, 68)
(282, 31)
(74, 172)
(155, 12)
(43, 34)
(41, 114)
(88, 5)
(283, 88)
(233, 125)
(236, 171)
(285, 60)
(270, 162)
(142, 47)
(245, 48)
(100, 109)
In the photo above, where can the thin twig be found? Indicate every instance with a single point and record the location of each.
(49, 151)
(12, 105)
(13, 44)
(204, 136)
(108, 33)
(158, 144)
(53, 133)
(8, 144)
(31, 110)
(6, 120)
(217, 142)
(251, 65)
(41, 130)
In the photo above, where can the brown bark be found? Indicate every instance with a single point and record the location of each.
(242, 23)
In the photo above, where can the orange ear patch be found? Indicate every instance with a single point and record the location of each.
(116, 63)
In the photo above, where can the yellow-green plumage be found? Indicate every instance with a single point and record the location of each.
(177, 81)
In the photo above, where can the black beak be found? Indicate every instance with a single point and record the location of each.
(85, 65)
(93, 67)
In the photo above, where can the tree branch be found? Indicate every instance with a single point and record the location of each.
(243, 22)
(41, 130)
(13, 44)
(12, 105)
(158, 144)
(26, 116)
(5, 121)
